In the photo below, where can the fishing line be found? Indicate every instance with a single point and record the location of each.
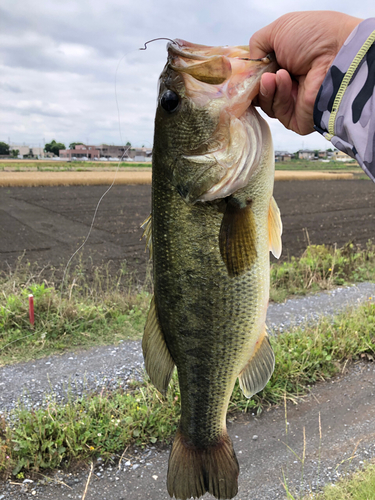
(104, 194)
(118, 165)
(107, 190)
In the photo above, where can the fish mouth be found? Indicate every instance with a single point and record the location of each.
(229, 69)
(224, 80)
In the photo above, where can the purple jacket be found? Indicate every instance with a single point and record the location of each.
(344, 109)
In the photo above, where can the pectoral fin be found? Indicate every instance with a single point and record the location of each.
(275, 228)
(237, 238)
(158, 361)
(147, 233)
(259, 368)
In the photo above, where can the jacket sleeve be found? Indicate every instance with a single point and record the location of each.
(344, 111)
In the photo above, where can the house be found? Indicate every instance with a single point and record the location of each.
(141, 154)
(340, 156)
(282, 156)
(80, 151)
(27, 151)
(306, 154)
(108, 151)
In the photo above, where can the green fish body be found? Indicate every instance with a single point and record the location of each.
(211, 239)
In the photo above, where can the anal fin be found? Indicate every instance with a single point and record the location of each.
(259, 368)
(275, 228)
(237, 238)
(158, 361)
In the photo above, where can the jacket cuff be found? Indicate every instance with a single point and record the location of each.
(344, 108)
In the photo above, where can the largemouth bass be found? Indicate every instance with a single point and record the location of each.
(213, 223)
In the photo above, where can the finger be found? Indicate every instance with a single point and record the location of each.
(261, 43)
(283, 101)
(267, 91)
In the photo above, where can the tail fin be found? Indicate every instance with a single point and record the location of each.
(193, 471)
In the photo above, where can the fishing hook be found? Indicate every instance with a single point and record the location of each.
(154, 40)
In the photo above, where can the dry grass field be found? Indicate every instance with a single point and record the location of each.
(129, 176)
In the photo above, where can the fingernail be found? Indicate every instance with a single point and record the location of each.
(263, 91)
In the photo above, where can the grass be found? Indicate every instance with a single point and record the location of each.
(322, 268)
(308, 165)
(104, 424)
(62, 166)
(45, 165)
(103, 310)
(110, 307)
(104, 307)
(359, 486)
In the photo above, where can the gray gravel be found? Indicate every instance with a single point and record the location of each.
(347, 414)
(310, 308)
(35, 382)
(345, 406)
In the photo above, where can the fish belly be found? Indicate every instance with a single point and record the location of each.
(211, 323)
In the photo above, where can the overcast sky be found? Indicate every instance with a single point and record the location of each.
(58, 62)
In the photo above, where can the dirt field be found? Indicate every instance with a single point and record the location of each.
(49, 223)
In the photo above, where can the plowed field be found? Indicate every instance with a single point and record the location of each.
(47, 224)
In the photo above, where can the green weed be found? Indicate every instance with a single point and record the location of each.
(322, 268)
(103, 310)
(319, 166)
(105, 424)
(359, 486)
(102, 307)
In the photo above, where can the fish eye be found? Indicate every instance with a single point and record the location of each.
(169, 101)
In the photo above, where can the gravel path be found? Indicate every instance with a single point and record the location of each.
(109, 366)
(345, 406)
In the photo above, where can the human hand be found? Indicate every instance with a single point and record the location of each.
(305, 44)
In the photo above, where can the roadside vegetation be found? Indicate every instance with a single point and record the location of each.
(106, 308)
(322, 268)
(105, 424)
(103, 307)
(99, 308)
(359, 486)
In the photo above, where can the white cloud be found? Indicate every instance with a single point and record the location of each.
(58, 62)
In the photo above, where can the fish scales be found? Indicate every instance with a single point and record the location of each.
(210, 245)
(212, 312)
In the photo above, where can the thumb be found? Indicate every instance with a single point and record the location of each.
(261, 43)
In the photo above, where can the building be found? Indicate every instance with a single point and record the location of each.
(27, 151)
(80, 151)
(141, 154)
(340, 156)
(306, 154)
(96, 152)
(107, 151)
(282, 156)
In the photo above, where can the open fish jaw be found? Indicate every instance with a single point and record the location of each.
(224, 80)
